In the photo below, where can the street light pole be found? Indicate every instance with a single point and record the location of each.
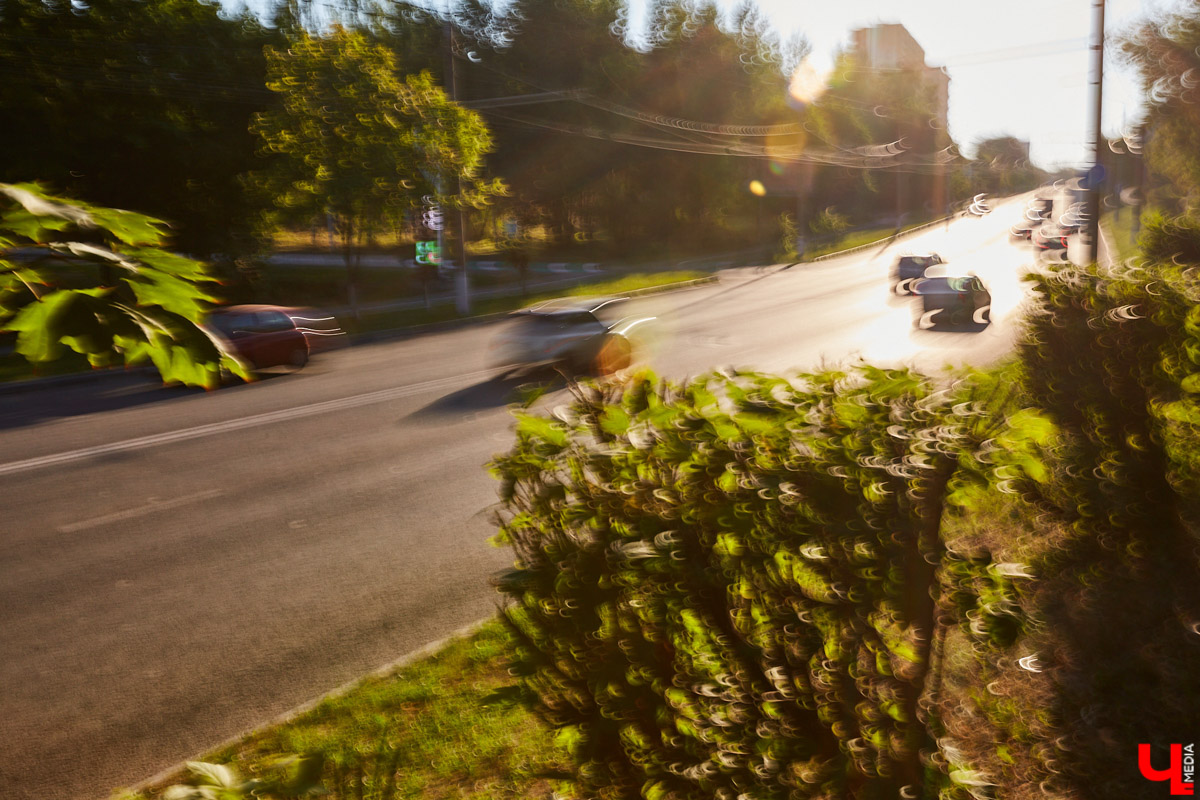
(1096, 174)
(462, 287)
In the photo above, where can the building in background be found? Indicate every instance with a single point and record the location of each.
(891, 47)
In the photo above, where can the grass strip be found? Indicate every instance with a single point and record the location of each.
(445, 726)
(1121, 233)
(858, 239)
(388, 320)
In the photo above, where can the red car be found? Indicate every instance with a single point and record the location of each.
(272, 336)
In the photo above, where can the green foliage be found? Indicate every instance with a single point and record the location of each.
(357, 141)
(1170, 240)
(829, 223)
(1002, 167)
(1165, 49)
(1113, 357)
(578, 167)
(97, 281)
(140, 104)
(737, 585)
(446, 725)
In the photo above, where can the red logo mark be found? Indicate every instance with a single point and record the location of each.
(1181, 771)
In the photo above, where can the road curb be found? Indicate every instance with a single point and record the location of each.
(162, 776)
(95, 375)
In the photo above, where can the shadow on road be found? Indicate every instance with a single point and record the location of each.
(495, 392)
(110, 394)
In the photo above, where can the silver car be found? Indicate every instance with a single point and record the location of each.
(581, 335)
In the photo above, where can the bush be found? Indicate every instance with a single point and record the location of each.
(1171, 240)
(739, 586)
(1113, 357)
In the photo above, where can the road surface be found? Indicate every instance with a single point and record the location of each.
(177, 567)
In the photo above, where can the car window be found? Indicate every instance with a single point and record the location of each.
(232, 323)
(271, 321)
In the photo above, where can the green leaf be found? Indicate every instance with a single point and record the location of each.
(129, 227)
(170, 293)
(614, 421)
(541, 428)
(39, 326)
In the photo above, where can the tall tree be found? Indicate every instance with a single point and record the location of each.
(1166, 50)
(357, 141)
(139, 104)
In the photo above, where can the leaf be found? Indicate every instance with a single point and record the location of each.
(207, 774)
(541, 428)
(39, 326)
(171, 263)
(31, 226)
(170, 293)
(38, 204)
(614, 421)
(129, 227)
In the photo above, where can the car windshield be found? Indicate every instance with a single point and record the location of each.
(947, 285)
(546, 324)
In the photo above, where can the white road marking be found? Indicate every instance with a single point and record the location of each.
(143, 442)
(153, 506)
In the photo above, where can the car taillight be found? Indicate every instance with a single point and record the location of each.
(1064, 241)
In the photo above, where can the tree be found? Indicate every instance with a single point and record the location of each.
(1003, 166)
(98, 281)
(138, 104)
(1166, 50)
(358, 142)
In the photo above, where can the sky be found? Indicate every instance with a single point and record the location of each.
(1018, 67)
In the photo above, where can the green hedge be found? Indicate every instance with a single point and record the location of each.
(739, 587)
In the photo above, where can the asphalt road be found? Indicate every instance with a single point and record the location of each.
(177, 567)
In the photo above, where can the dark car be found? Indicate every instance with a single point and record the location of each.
(1053, 237)
(269, 336)
(953, 300)
(1036, 214)
(909, 268)
(581, 335)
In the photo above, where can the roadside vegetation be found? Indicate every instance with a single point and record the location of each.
(446, 726)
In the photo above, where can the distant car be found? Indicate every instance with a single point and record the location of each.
(1043, 206)
(270, 336)
(979, 206)
(1053, 237)
(1035, 216)
(909, 268)
(584, 335)
(953, 300)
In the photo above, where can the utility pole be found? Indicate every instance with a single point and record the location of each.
(462, 287)
(1096, 174)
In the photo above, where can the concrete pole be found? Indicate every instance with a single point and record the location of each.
(1094, 192)
(462, 286)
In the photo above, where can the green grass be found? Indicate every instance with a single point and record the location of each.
(857, 239)
(1121, 234)
(387, 320)
(441, 727)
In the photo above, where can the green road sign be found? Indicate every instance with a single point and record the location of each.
(428, 253)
